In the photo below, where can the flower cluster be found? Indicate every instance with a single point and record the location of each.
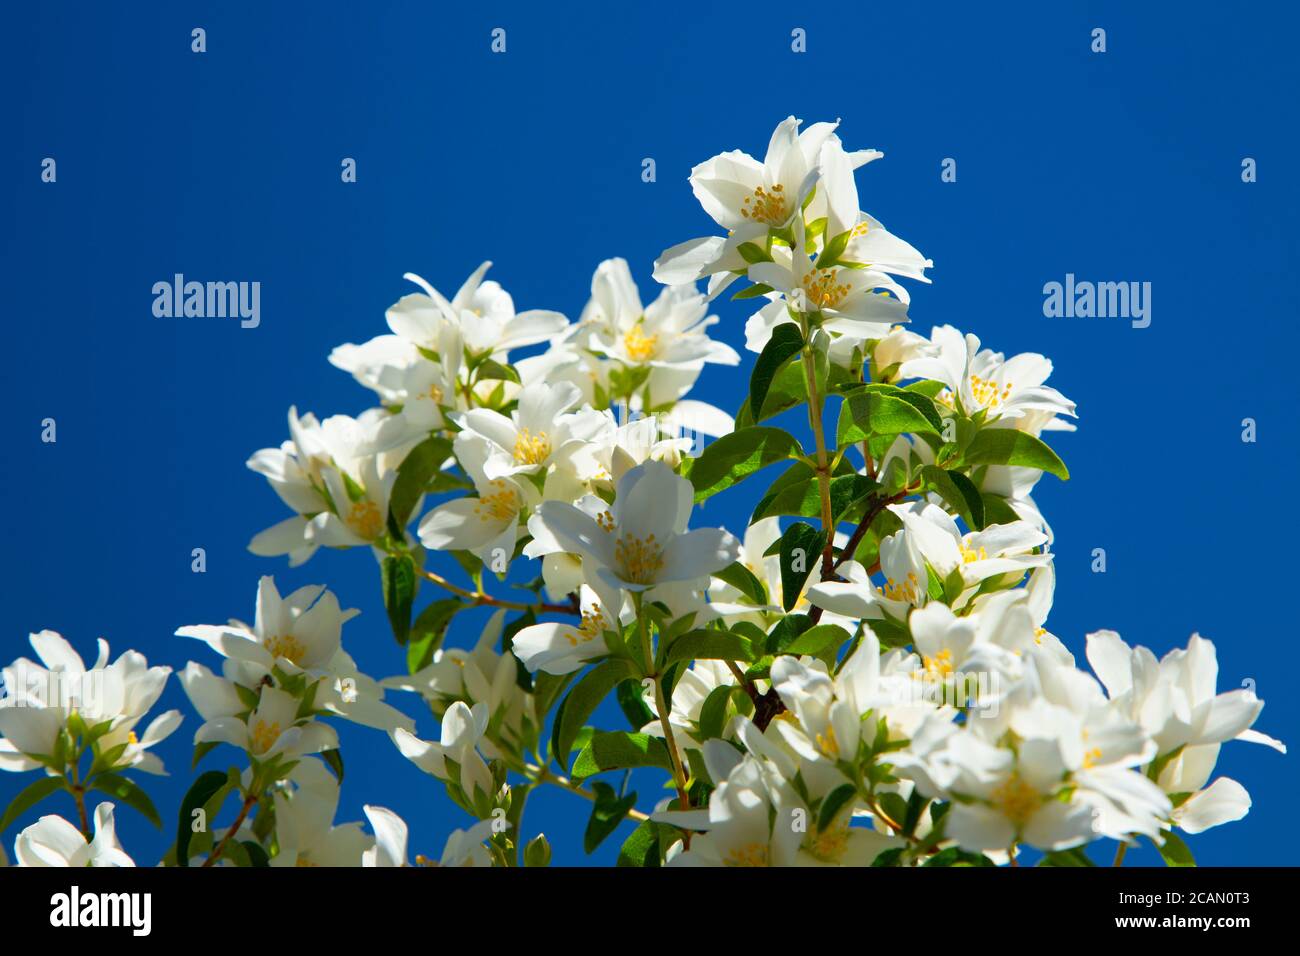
(862, 676)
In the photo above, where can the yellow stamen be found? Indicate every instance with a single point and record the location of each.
(641, 560)
(264, 736)
(640, 347)
(768, 207)
(822, 290)
(501, 504)
(288, 647)
(364, 518)
(751, 854)
(987, 393)
(531, 449)
(1015, 799)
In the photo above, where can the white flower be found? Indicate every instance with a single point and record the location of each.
(271, 729)
(931, 541)
(391, 834)
(749, 820)
(465, 847)
(455, 758)
(1009, 390)
(488, 524)
(39, 700)
(539, 433)
(830, 710)
(300, 634)
(669, 333)
(1174, 699)
(336, 477)
(559, 647)
(747, 198)
(1012, 796)
(401, 375)
(482, 312)
(304, 822)
(641, 541)
(53, 841)
(896, 348)
(850, 300)
(480, 675)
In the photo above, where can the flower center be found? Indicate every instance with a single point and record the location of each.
(640, 346)
(938, 667)
(822, 290)
(364, 518)
(435, 393)
(640, 559)
(593, 622)
(827, 743)
(500, 505)
(766, 207)
(830, 844)
(264, 736)
(532, 449)
(906, 591)
(1016, 799)
(751, 854)
(970, 554)
(288, 647)
(987, 393)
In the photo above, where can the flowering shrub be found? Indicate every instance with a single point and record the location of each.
(865, 677)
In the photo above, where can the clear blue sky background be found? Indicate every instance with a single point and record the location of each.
(225, 166)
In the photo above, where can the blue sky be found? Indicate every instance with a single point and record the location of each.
(1122, 166)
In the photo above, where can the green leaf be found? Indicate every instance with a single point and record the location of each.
(959, 492)
(709, 644)
(785, 632)
(955, 857)
(642, 848)
(734, 457)
(1072, 857)
(744, 581)
(256, 855)
(128, 792)
(616, 750)
(874, 412)
(723, 703)
(784, 345)
(334, 760)
(397, 576)
(632, 703)
(1175, 852)
(788, 389)
(804, 497)
(581, 702)
(203, 789)
(413, 475)
(888, 857)
(834, 802)
(997, 510)
(1009, 446)
(428, 631)
(492, 370)
(28, 797)
(607, 812)
(800, 550)
(816, 640)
